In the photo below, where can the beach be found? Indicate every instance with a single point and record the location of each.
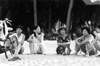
(50, 59)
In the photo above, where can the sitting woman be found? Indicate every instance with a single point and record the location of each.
(63, 42)
(96, 41)
(83, 43)
(36, 41)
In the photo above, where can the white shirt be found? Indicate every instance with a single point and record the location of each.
(35, 40)
(20, 38)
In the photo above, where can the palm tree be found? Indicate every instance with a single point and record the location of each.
(0, 9)
(35, 12)
(69, 15)
(49, 16)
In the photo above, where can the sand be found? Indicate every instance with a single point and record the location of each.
(51, 59)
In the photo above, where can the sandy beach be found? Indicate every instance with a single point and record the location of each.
(50, 59)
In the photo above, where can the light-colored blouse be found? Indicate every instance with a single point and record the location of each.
(34, 39)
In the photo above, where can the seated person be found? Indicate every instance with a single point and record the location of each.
(62, 41)
(35, 41)
(96, 41)
(18, 47)
(83, 43)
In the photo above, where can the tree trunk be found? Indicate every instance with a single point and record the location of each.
(35, 13)
(49, 17)
(0, 9)
(69, 15)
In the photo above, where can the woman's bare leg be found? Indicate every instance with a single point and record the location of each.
(42, 48)
(97, 48)
(31, 48)
(87, 49)
(35, 48)
(17, 50)
(77, 49)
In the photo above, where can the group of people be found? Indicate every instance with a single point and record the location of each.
(35, 42)
(17, 38)
(88, 43)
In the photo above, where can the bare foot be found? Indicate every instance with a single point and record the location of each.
(87, 55)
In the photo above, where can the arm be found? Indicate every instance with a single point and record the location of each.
(86, 40)
(23, 38)
(30, 39)
(77, 40)
(96, 39)
(33, 39)
(63, 43)
(40, 37)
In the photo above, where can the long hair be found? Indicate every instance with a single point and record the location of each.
(98, 26)
(87, 29)
(34, 28)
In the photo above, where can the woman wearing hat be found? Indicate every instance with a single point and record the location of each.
(63, 41)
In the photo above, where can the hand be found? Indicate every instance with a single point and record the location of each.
(95, 33)
(21, 43)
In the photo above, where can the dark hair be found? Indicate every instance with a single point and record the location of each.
(98, 26)
(87, 29)
(93, 34)
(21, 27)
(34, 28)
(62, 29)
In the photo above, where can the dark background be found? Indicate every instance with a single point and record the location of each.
(21, 12)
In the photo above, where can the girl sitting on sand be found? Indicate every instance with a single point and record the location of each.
(36, 41)
(63, 40)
